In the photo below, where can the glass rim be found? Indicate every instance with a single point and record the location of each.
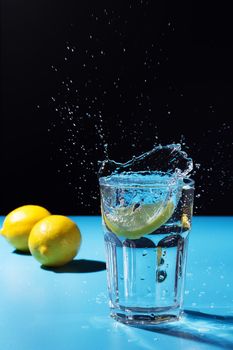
(186, 181)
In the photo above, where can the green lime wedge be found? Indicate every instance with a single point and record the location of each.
(135, 221)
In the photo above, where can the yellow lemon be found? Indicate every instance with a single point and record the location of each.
(134, 222)
(55, 240)
(185, 222)
(19, 222)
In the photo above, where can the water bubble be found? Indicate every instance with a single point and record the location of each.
(144, 253)
(161, 276)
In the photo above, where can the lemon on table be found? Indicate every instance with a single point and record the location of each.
(134, 222)
(55, 240)
(19, 222)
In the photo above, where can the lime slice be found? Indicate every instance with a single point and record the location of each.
(135, 221)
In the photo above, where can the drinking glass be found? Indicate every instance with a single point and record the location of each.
(146, 224)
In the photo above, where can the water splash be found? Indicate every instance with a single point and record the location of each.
(169, 159)
(139, 99)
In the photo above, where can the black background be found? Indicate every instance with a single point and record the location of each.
(77, 75)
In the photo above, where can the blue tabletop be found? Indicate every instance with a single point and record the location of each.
(67, 308)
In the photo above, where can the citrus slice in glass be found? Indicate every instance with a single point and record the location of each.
(137, 220)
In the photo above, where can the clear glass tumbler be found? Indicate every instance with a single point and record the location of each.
(146, 271)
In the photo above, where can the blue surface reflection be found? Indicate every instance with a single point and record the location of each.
(67, 308)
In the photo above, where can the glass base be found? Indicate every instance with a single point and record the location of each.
(136, 317)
